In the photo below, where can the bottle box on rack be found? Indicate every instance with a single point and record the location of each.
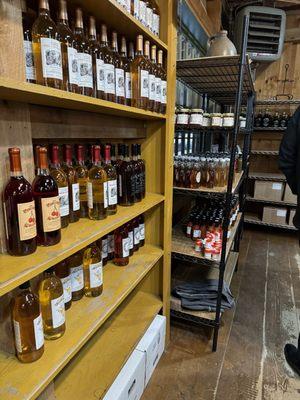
(268, 190)
(292, 214)
(289, 197)
(273, 215)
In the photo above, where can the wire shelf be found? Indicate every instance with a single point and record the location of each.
(269, 129)
(267, 176)
(271, 202)
(265, 152)
(254, 221)
(273, 102)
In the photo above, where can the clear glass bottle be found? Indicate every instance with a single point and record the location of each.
(109, 67)
(126, 180)
(119, 70)
(163, 76)
(158, 90)
(82, 173)
(153, 73)
(97, 187)
(77, 277)
(100, 74)
(51, 296)
(94, 47)
(127, 72)
(28, 325)
(140, 77)
(27, 42)
(121, 246)
(62, 182)
(93, 272)
(112, 188)
(47, 49)
(74, 198)
(151, 77)
(62, 271)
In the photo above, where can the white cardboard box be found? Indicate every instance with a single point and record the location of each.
(152, 344)
(129, 384)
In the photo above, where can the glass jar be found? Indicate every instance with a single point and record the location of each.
(216, 120)
(228, 120)
(242, 122)
(196, 118)
(183, 117)
(206, 120)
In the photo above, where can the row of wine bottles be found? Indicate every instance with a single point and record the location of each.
(43, 316)
(78, 62)
(62, 194)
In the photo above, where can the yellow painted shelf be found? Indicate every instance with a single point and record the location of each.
(16, 270)
(90, 373)
(37, 94)
(25, 381)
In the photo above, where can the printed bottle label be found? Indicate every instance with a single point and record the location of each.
(196, 233)
(142, 231)
(136, 8)
(27, 220)
(100, 75)
(128, 85)
(188, 230)
(85, 67)
(120, 78)
(142, 12)
(73, 65)
(51, 58)
(96, 275)
(77, 280)
(109, 77)
(17, 336)
(112, 192)
(51, 214)
(136, 236)
(158, 89)
(75, 196)
(198, 177)
(90, 194)
(58, 311)
(111, 244)
(38, 332)
(149, 17)
(130, 236)
(105, 194)
(152, 93)
(164, 92)
(155, 20)
(63, 193)
(67, 285)
(144, 83)
(29, 61)
(104, 248)
(128, 5)
(125, 247)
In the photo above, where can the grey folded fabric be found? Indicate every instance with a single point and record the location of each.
(202, 295)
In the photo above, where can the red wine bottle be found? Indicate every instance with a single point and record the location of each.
(45, 193)
(19, 210)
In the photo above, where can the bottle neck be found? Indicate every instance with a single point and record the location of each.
(44, 7)
(43, 171)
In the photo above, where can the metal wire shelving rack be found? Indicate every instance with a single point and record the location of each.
(228, 81)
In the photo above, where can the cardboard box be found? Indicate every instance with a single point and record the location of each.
(289, 197)
(274, 215)
(129, 384)
(152, 344)
(292, 214)
(268, 190)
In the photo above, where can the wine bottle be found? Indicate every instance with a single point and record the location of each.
(47, 205)
(140, 77)
(51, 295)
(113, 155)
(109, 67)
(82, 173)
(156, 21)
(110, 246)
(126, 64)
(47, 49)
(93, 272)
(104, 249)
(94, 50)
(154, 72)
(163, 76)
(119, 70)
(62, 271)
(151, 77)
(77, 278)
(112, 189)
(73, 185)
(102, 56)
(28, 325)
(27, 42)
(142, 230)
(158, 84)
(129, 227)
(19, 210)
(149, 15)
(62, 182)
(97, 187)
(142, 171)
(137, 173)
(121, 246)
(136, 234)
(126, 180)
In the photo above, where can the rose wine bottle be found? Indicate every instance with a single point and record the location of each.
(140, 77)
(93, 272)
(94, 47)
(129, 227)
(62, 271)
(19, 210)
(119, 70)
(154, 72)
(127, 72)
(121, 246)
(82, 173)
(142, 171)
(112, 189)
(126, 180)
(109, 67)
(47, 205)
(28, 325)
(151, 77)
(142, 229)
(74, 200)
(163, 76)
(62, 182)
(77, 278)
(136, 173)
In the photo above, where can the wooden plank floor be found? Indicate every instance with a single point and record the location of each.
(249, 363)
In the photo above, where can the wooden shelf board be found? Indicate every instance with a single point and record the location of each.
(25, 381)
(37, 94)
(94, 369)
(16, 270)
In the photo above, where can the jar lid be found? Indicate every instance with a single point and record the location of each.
(228, 115)
(216, 115)
(242, 118)
(206, 115)
(197, 110)
(183, 110)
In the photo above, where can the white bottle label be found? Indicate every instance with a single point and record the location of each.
(149, 17)
(105, 194)
(63, 193)
(136, 8)
(136, 235)
(77, 278)
(96, 275)
(67, 285)
(120, 82)
(130, 236)
(29, 61)
(196, 233)
(128, 85)
(158, 89)
(104, 248)
(144, 83)
(125, 247)
(75, 196)
(110, 244)
(164, 92)
(100, 75)
(89, 187)
(85, 68)
(142, 12)
(17, 336)
(112, 192)
(142, 231)
(51, 58)
(188, 230)
(38, 332)
(156, 24)
(128, 5)
(120, 185)
(152, 92)
(109, 77)
(58, 311)
(73, 65)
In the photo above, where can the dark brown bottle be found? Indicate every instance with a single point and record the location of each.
(136, 234)
(94, 49)
(129, 227)
(62, 271)
(142, 171)
(82, 173)
(142, 229)
(112, 188)
(121, 246)
(110, 246)
(126, 64)
(77, 278)
(119, 70)
(109, 67)
(74, 198)
(126, 181)
(113, 155)
(137, 173)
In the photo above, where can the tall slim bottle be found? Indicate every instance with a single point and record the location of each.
(94, 50)
(28, 325)
(93, 272)
(69, 51)
(47, 205)
(77, 278)
(109, 67)
(140, 77)
(82, 173)
(62, 271)
(142, 171)
(27, 42)
(158, 84)
(100, 77)
(74, 199)
(121, 246)
(137, 173)
(127, 72)
(163, 76)
(119, 70)
(126, 181)
(47, 49)
(112, 188)
(152, 76)
(85, 64)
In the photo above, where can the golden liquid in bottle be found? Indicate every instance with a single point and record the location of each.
(77, 278)
(138, 67)
(93, 274)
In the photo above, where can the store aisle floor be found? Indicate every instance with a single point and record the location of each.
(249, 363)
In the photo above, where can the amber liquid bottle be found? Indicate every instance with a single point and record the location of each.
(77, 277)
(140, 77)
(163, 76)
(28, 325)
(82, 173)
(94, 50)
(121, 246)
(119, 70)
(109, 67)
(47, 205)
(112, 188)
(151, 77)
(126, 180)
(19, 210)
(142, 171)
(27, 42)
(62, 271)
(127, 72)
(97, 187)
(154, 72)
(93, 272)
(47, 49)
(74, 199)
(62, 182)
(69, 51)
(100, 76)
(85, 63)
(51, 295)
